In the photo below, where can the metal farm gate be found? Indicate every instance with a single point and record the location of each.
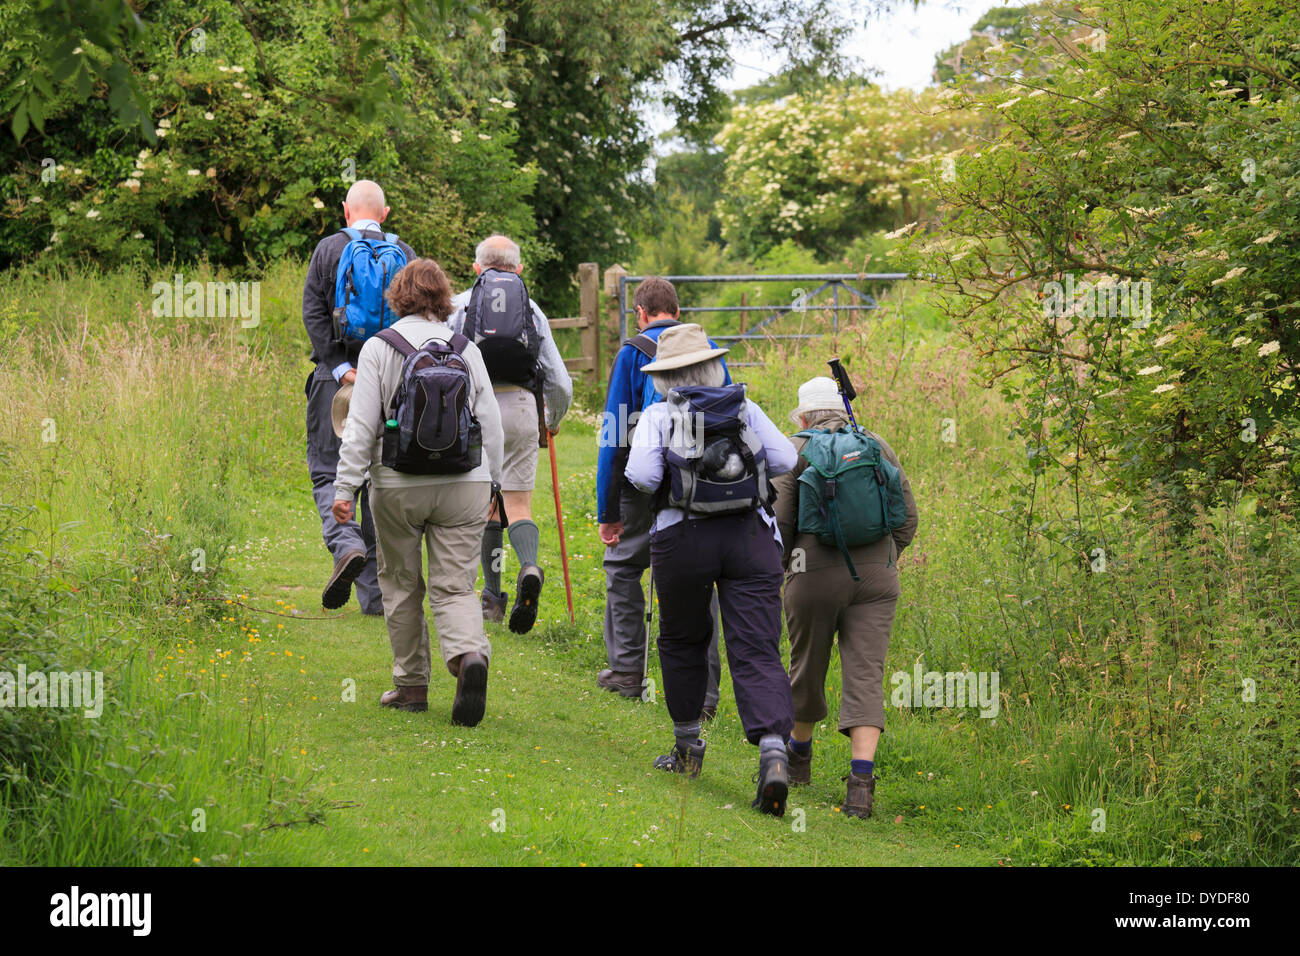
(857, 297)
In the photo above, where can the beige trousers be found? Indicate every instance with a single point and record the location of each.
(447, 519)
(826, 604)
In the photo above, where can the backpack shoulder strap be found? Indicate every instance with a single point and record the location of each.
(458, 343)
(644, 344)
(353, 234)
(391, 237)
(397, 340)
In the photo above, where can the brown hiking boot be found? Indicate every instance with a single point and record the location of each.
(471, 690)
(861, 793)
(415, 699)
(346, 570)
(800, 766)
(494, 606)
(627, 684)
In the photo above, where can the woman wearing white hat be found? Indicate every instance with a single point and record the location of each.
(850, 593)
(706, 453)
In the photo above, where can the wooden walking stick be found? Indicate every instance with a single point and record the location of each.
(559, 520)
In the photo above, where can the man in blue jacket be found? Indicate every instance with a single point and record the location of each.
(623, 512)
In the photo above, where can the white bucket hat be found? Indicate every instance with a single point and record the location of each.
(682, 345)
(818, 394)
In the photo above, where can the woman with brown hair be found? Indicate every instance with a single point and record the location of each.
(419, 502)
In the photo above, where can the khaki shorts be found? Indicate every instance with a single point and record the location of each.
(519, 422)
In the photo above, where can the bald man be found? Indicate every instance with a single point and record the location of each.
(352, 545)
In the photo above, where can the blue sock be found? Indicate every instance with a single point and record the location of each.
(800, 746)
(862, 768)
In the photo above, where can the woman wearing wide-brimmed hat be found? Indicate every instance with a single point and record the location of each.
(706, 454)
(823, 600)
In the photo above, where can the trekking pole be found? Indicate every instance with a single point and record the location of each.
(847, 391)
(559, 520)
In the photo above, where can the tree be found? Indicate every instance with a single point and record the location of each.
(1124, 253)
(824, 168)
(249, 160)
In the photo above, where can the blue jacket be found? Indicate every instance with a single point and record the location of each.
(630, 391)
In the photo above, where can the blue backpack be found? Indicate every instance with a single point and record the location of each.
(366, 268)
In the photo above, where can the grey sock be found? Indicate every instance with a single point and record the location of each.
(687, 734)
(491, 556)
(771, 742)
(524, 538)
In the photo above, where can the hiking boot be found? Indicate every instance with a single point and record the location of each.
(494, 606)
(626, 683)
(708, 712)
(528, 588)
(773, 782)
(346, 570)
(688, 761)
(861, 794)
(414, 699)
(800, 766)
(471, 690)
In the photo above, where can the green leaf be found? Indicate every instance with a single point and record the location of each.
(19, 123)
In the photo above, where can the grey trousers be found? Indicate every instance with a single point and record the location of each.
(323, 464)
(625, 564)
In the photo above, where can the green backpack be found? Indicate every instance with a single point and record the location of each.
(849, 495)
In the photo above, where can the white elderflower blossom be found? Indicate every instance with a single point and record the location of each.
(1268, 348)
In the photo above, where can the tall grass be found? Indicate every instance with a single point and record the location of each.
(131, 447)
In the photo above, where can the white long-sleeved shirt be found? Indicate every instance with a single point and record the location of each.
(379, 372)
(648, 456)
(557, 385)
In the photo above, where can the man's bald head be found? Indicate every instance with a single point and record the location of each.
(365, 201)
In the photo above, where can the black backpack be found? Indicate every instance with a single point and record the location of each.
(432, 431)
(716, 464)
(499, 320)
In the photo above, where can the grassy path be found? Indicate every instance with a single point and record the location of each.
(559, 771)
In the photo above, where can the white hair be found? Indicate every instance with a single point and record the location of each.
(709, 372)
(365, 196)
(497, 252)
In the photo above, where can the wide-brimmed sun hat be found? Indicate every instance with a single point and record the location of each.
(339, 408)
(682, 345)
(818, 394)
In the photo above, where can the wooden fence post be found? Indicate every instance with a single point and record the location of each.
(589, 309)
(613, 310)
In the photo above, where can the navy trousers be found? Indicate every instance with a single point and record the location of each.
(739, 555)
(323, 465)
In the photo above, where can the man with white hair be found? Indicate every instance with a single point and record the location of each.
(351, 544)
(528, 374)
